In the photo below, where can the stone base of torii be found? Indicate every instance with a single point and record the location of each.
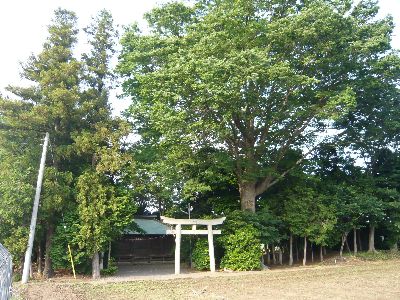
(177, 231)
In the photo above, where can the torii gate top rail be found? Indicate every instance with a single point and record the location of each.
(173, 221)
(178, 232)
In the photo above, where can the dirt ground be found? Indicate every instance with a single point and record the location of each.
(351, 280)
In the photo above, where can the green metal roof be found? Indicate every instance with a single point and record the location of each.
(149, 226)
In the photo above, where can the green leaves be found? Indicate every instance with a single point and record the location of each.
(200, 255)
(102, 213)
(309, 211)
(170, 19)
(69, 99)
(242, 250)
(339, 105)
(17, 181)
(256, 79)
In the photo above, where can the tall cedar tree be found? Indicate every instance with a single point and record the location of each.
(69, 99)
(52, 104)
(102, 209)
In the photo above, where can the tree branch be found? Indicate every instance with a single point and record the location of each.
(269, 181)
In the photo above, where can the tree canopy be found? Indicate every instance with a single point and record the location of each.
(253, 79)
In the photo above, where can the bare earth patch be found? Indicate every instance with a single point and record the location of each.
(352, 280)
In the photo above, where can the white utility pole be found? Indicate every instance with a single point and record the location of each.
(28, 254)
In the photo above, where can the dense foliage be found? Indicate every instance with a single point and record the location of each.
(68, 98)
(200, 255)
(242, 250)
(253, 80)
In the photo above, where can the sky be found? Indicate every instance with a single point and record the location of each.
(23, 28)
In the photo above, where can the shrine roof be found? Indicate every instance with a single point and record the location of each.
(149, 226)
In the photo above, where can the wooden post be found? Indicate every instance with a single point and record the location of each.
(72, 260)
(211, 248)
(178, 249)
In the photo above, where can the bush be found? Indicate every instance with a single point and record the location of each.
(16, 277)
(242, 250)
(200, 255)
(266, 224)
(378, 255)
(16, 244)
(111, 268)
(64, 235)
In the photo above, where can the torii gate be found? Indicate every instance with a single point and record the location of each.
(194, 222)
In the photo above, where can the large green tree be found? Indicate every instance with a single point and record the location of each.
(254, 79)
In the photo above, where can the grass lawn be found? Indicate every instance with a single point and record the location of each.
(356, 279)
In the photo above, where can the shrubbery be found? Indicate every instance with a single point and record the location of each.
(64, 235)
(200, 255)
(242, 236)
(111, 268)
(379, 255)
(242, 250)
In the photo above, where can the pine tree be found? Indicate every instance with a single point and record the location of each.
(51, 104)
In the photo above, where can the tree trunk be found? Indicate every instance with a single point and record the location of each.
(101, 260)
(344, 237)
(355, 240)
(39, 259)
(394, 247)
(48, 271)
(359, 241)
(321, 255)
(248, 196)
(291, 249)
(312, 253)
(95, 266)
(273, 255)
(280, 256)
(108, 257)
(325, 251)
(305, 251)
(347, 246)
(109, 251)
(371, 243)
(297, 249)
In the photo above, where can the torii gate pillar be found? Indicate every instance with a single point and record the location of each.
(194, 222)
